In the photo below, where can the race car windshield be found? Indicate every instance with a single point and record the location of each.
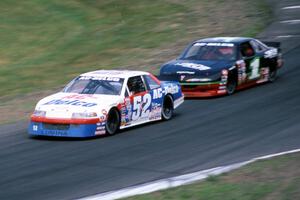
(210, 51)
(95, 85)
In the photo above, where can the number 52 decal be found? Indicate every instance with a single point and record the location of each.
(141, 105)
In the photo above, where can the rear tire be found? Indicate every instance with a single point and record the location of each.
(167, 108)
(272, 75)
(113, 122)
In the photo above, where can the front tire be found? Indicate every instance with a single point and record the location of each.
(113, 122)
(167, 108)
(231, 85)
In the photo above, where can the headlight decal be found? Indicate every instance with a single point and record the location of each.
(84, 115)
(39, 113)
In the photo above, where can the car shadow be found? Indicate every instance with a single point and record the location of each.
(53, 138)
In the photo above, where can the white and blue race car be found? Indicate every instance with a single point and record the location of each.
(102, 102)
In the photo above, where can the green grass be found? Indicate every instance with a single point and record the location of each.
(45, 43)
(275, 179)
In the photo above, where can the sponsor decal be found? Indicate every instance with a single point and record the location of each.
(231, 68)
(264, 72)
(100, 128)
(157, 93)
(109, 72)
(221, 91)
(241, 71)
(224, 77)
(102, 118)
(185, 72)
(194, 66)
(241, 63)
(182, 77)
(224, 72)
(126, 112)
(173, 89)
(79, 97)
(35, 127)
(155, 111)
(104, 112)
(54, 132)
(115, 79)
(271, 53)
(198, 80)
(102, 132)
(70, 102)
(220, 44)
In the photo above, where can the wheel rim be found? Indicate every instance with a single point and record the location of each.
(168, 108)
(231, 87)
(272, 75)
(167, 111)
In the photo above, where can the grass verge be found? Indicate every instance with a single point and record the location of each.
(44, 44)
(274, 179)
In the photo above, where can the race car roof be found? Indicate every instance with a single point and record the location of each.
(224, 40)
(114, 73)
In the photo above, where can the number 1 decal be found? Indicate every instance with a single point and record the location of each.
(141, 105)
(254, 65)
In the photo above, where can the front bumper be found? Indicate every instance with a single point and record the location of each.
(203, 89)
(66, 130)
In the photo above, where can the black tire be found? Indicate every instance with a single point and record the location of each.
(272, 75)
(167, 108)
(231, 85)
(113, 122)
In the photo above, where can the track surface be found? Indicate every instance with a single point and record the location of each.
(203, 134)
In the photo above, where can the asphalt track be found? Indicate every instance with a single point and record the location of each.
(204, 133)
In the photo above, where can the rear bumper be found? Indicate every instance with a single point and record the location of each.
(65, 130)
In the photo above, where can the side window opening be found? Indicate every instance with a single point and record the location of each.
(247, 50)
(152, 84)
(257, 46)
(136, 85)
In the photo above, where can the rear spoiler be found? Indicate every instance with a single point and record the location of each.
(273, 44)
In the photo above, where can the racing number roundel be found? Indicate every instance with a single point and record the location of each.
(254, 65)
(141, 106)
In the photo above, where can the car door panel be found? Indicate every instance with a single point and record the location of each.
(157, 94)
(141, 106)
(140, 100)
(253, 61)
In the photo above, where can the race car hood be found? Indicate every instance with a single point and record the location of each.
(203, 69)
(63, 105)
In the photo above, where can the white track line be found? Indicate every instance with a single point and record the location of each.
(284, 36)
(287, 36)
(291, 7)
(178, 180)
(293, 21)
